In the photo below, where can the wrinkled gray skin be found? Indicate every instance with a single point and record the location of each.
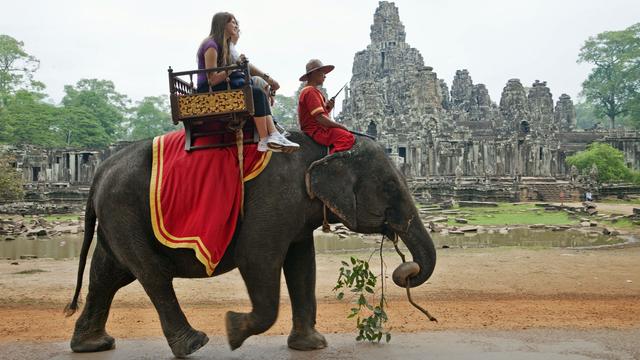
(360, 186)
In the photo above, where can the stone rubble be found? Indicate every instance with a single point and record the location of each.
(34, 226)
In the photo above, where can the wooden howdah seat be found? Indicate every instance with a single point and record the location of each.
(212, 119)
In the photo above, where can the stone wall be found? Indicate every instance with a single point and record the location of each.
(58, 175)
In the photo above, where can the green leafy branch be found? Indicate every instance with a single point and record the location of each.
(359, 280)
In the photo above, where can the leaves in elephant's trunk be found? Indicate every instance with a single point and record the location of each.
(356, 277)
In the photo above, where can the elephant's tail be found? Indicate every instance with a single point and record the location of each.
(89, 229)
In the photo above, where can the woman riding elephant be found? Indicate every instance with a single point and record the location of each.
(360, 187)
(214, 51)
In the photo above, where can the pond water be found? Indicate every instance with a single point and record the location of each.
(68, 246)
(58, 247)
(521, 237)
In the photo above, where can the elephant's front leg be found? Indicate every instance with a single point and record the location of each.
(261, 274)
(300, 272)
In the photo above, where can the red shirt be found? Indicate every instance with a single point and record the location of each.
(310, 104)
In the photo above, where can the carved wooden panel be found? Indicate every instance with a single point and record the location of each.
(211, 103)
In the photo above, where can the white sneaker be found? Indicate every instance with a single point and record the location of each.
(277, 141)
(262, 146)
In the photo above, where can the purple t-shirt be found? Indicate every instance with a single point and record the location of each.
(206, 45)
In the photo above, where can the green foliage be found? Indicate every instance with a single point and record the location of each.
(511, 214)
(92, 114)
(16, 68)
(151, 117)
(634, 111)
(609, 161)
(26, 119)
(285, 111)
(586, 117)
(10, 181)
(77, 127)
(100, 99)
(361, 282)
(613, 85)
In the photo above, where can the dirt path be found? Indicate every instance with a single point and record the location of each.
(619, 209)
(494, 288)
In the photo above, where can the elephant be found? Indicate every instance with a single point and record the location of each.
(360, 187)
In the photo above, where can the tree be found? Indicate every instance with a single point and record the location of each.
(614, 83)
(10, 180)
(100, 98)
(634, 111)
(150, 118)
(586, 117)
(285, 112)
(609, 161)
(77, 127)
(26, 119)
(16, 68)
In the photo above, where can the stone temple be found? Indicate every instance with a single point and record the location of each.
(456, 142)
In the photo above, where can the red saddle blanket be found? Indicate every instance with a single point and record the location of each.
(196, 197)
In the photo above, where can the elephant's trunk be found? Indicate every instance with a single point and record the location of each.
(419, 243)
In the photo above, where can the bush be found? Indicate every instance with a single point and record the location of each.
(608, 160)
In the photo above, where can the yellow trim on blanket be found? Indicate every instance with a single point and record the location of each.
(157, 221)
(258, 167)
(156, 213)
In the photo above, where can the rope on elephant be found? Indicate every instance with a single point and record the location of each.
(383, 300)
(423, 310)
(240, 146)
(395, 244)
(325, 224)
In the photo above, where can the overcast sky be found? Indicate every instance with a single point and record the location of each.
(133, 42)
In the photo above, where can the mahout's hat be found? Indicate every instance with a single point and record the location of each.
(314, 65)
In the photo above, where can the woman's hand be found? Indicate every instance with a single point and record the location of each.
(273, 83)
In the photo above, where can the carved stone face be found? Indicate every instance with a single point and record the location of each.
(432, 125)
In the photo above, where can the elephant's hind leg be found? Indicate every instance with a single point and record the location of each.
(107, 276)
(182, 338)
(263, 284)
(300, 273)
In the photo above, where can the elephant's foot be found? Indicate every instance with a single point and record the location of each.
(308, 340)
(188, 342)
(92, 342)
(237, 329)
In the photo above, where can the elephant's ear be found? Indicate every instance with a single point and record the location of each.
(332, 180)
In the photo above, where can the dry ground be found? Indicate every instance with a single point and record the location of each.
(498, 288)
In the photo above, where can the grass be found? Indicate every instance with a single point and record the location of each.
(622, 224)
(526, 214)
(633, 201)
(61, 217)
(512, 214)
